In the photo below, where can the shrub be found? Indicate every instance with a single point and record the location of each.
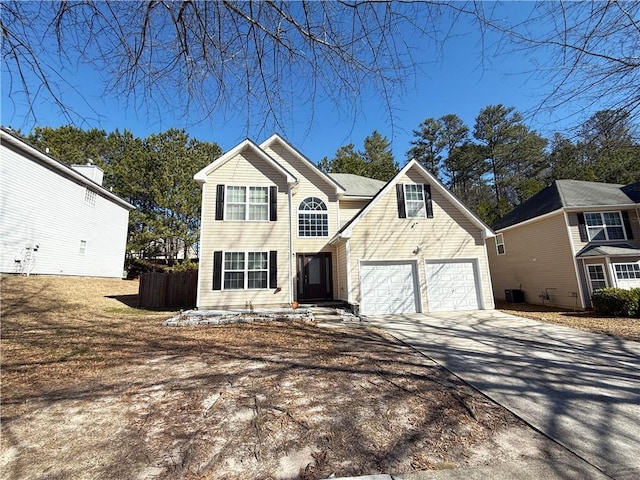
(617, 302)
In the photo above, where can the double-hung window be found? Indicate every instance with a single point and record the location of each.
(243, 270)
(604, 226)
(500, 244)
(247, 203)
(414, 200)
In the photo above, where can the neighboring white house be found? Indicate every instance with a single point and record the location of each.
(56, 220)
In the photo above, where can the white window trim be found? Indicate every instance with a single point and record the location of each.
(246, 269)
(247, 203)
(90, 196)
(633, 264)
(602, 225)
(406, 202)
(83, 247)
(312, 212)
(604, 272)
(500, 243)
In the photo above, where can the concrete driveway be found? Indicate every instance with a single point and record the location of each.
(581, 389)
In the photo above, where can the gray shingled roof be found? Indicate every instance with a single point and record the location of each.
(570, 193)
(357, 186)
(608, 250)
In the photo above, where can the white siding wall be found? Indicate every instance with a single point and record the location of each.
(39, 206)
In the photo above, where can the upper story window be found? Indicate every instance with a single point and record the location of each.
(500, 244)
(90, 197)
(313, 219)
(604, 226)
(414, 199)
(247, 203)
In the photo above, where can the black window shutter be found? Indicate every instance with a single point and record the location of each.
(217, 270)
(402, 213)
(583, 228)
(273, 204)
(427, 200)
(219, 202)
(627, 224)
(273, 269)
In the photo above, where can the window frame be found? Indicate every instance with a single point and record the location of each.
(500, 243)
(245, 270)
(422, 202)
(90, 196)
(321, 214)
(591, 280)
(247, 203)
(83, 247)
(635, 270)
(605, 228)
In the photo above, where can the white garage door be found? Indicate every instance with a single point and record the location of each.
(388, 288)
(452, 286)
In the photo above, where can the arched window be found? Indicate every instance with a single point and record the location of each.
(313, 219)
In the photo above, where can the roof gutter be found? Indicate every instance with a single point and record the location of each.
(63, 169)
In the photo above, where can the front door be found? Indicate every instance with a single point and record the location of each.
(314, 276)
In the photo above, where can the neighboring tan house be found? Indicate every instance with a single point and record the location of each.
(277, 229)
(566, 241)
(56, 220)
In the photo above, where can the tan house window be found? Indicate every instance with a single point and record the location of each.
(596, 275)
(247, 203)
(414, 199)
(245, 270)
(604, 226)
(500, 244)
(313, 219)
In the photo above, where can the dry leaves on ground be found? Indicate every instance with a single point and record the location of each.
(93, 388)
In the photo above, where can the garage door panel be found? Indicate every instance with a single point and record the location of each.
(388, 288)
(452, 286)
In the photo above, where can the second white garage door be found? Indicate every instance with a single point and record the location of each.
(388, 288)
(452, 286)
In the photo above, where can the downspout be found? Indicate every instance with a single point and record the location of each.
(203, 186)
(289, 194)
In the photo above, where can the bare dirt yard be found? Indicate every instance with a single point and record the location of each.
(94, 388)
(588, 321)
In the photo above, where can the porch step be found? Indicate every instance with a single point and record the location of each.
(333, 315)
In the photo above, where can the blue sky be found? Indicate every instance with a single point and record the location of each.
(459, 81)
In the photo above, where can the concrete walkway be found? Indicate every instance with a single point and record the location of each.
(580, 389)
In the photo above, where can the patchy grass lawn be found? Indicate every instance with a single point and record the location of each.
(588, 321)
(93, 388)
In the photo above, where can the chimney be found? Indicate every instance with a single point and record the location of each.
(90, 171)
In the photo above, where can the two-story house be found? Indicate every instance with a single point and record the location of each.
(566, 241)
(55, 219)
(276, 229)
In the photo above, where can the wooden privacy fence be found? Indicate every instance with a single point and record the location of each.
(168, 290)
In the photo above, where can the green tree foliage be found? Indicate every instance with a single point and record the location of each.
(154, 174)
(376, 161)
(428, 144)
(514, 154)
(69, 144)
(378, 157)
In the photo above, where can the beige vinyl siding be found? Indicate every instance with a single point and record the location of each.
(311, 183)
(246, 169)
(349, 209)
(381, 235)
(538, 258)
(340, 274)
